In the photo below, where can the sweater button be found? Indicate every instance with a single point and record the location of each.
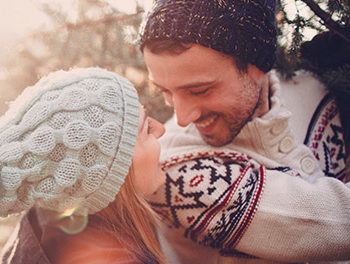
(308, 165)
(286, 144)
(279, 127)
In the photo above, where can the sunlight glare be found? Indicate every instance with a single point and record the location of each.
(128, 7)
(70, 223)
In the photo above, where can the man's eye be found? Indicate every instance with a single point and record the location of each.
(201, 92)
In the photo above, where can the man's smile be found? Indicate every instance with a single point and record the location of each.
(206, 125)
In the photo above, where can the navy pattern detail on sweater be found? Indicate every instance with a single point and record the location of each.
(325, 139)
(211, 197)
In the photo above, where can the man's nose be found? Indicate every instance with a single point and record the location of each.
(186, 111)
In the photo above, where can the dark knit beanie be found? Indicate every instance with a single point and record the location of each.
(242, 28)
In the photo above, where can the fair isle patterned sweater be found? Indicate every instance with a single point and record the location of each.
(266, 197)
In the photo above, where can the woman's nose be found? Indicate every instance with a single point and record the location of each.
(159, 129)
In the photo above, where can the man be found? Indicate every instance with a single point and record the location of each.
(241, 185)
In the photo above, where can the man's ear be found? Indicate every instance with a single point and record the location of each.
(260, 77)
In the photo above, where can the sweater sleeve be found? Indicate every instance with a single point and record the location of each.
(299, 221)
(233, 204)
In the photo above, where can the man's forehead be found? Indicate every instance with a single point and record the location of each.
(189, 63)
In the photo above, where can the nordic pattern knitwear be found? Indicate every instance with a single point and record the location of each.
(209, 198)
(67, 142)
(244, 29)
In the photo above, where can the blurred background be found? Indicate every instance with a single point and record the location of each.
(40, 36)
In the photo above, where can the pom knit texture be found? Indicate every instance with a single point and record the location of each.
(244, 29)
(67, 142)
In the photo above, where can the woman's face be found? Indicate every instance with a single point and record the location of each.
(148, 175)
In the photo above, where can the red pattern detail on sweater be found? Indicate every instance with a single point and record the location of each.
(195, 181)
(252, 210)
(327, 115)
(210, 215)
(327, 142)
(178, 199)
(178, 159)
(200, 227)
(190, 219)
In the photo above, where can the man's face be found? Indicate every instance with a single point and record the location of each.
(205, 88)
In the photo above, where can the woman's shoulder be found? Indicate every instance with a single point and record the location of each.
(94, 246)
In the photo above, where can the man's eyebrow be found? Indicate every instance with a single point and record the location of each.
(187, 86)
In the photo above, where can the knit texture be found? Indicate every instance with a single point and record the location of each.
(67, 142)
(300, 215)
(210, 196)
(244, 29)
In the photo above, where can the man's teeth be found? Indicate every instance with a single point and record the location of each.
(207, 122)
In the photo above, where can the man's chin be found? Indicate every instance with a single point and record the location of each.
(216, 141)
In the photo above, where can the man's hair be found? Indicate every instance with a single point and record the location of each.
(176, 47)
(241, 29)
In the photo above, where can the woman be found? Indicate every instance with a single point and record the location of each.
(79, 152)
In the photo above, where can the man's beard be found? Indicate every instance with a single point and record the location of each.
(234, 125)
(234, 128)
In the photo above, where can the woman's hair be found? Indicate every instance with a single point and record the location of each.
(130, 217)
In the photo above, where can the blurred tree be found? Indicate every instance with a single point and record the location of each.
(328, 19)
(101, 35)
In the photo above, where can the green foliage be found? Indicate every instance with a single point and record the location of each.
(333, 27)
(338, 80)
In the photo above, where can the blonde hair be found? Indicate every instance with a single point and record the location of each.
(131, 217)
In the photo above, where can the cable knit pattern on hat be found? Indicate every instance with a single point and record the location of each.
(67, 142)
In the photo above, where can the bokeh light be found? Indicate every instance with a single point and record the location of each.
(71, 223)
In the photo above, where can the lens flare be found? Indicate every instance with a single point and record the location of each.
(71, 223)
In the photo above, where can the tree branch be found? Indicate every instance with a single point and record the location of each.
(327, 19)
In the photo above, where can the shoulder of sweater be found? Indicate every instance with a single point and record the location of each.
(303, 86)
(301, 95)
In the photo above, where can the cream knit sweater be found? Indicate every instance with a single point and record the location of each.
(283, 211)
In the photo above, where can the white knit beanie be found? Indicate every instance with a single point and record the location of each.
(68, 142)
